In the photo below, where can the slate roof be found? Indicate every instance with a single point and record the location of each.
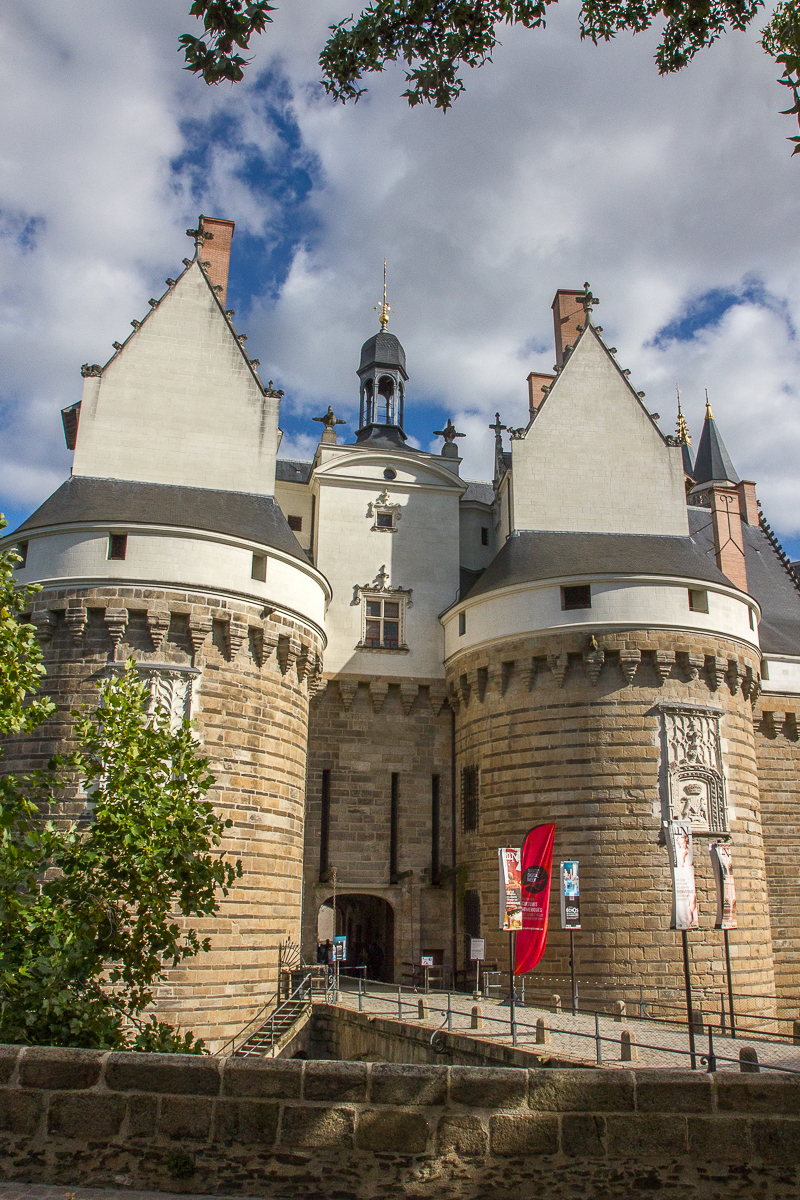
(237, 514)
(291, 470)
(383, 437)
(479, 491)
(384, 350)
(532, 555)
(713, 460)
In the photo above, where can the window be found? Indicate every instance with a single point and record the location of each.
(295, 524)
(484, 536)
(579, 596)
(21, 549)
(469, 799)
(117, 545)
(384, 520)
(382, 625)
(436, 817)
(752, 617)
(325, 826)
(389, 473)
(394, 817)
(698, 600)
(259, 569)
(462, 624)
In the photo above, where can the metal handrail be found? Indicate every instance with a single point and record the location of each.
(711, 1059)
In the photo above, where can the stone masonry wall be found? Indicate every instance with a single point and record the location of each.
(778, 753)
(251, 706)
(568, 731)
(359, 1131)
(363, 731)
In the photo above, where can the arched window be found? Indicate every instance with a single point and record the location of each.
(386, 400)
(368, 402)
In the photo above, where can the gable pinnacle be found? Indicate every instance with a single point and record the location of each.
(384, 309)
(682, 429)
(709, 413)
(588, 301)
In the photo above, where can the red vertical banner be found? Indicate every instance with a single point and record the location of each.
(535, 869)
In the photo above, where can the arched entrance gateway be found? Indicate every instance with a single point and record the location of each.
(368, 923)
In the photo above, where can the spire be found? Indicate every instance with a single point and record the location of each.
(384, 309)
(684, 439)
(713, 463)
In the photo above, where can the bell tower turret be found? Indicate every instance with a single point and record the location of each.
(383, 376)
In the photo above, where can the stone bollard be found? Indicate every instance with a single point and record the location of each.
(557, 1004)
(627, 1047)
(476, 1021)
(542, 1032)
(748, 1059)
(620, 1010)
(796, 1033)
(422, 1010)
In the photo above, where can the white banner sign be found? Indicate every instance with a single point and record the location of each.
(510, 888)
(722, 863)
(570, 895)
(684, 892)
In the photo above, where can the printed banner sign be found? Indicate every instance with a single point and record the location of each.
(477, 949)
(684, 892)
(570, 896)
(510, 894)
(426, 960)
(340, 948)
(536, 868)
(721, 861)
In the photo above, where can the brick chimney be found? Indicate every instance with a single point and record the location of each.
(726, 522)
(748, 504)
(568, 314)
(536, 385)
(217, 251)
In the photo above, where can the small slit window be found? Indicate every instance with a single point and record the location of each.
(578, 596)
(462, 624)
(259, 568)
(118, 546)
(295, 524)
(21, 549)
(698, 600)
(751, 615)
(484, 536)
(470, 800)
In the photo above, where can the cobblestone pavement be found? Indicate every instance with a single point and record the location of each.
(574, 1038)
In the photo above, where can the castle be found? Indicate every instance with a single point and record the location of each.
(395, 671)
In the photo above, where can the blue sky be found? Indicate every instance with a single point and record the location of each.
(678, 200)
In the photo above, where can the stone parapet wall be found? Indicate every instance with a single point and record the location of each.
(251, 671)
(364, 1131)
(778, 756)
(571, 729)
(363, 730)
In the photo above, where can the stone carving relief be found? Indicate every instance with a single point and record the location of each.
(171, 691)
(694, 779)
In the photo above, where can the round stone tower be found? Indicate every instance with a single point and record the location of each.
(167, 545)
(602, 671)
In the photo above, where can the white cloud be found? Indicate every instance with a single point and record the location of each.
(563, 162)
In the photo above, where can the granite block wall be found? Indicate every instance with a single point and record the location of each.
(360, 1131)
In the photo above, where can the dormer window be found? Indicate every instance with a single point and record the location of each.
(383, 614)
(385, 515)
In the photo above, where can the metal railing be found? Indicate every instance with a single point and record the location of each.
(587, 1033)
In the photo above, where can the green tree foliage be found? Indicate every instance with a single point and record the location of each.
(438, 38)
(88, 913)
